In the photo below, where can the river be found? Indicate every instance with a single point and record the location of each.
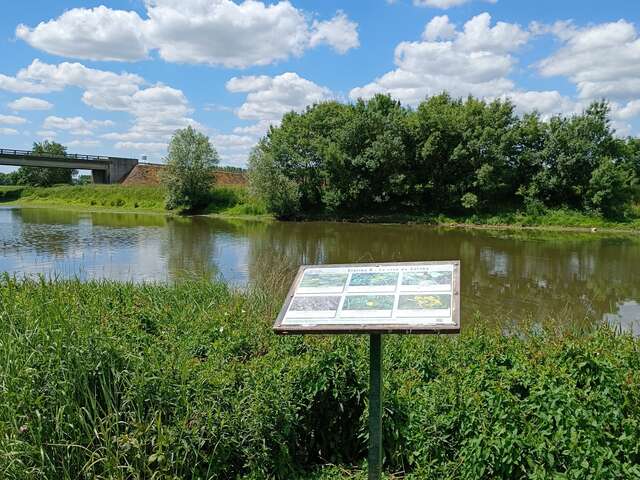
(507, 275)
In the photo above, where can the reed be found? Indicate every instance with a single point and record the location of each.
(116, 380)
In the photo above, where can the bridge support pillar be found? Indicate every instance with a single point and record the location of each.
(119, 168)
(99, 176)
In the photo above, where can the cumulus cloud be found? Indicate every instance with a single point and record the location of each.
(339, 32)
(217, 32)
(271, 97)
(12, 120)
(8, 131)
(30, 103)
(601, 60)
(475, 60)
(96, 34)
(628, 111)
(41, 77)
(157, 110)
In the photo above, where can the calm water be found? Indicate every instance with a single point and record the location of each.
(507, 275)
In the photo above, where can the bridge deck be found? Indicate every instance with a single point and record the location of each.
(18, 157)
(106, 169)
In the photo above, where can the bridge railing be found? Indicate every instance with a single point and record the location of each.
(70, 156)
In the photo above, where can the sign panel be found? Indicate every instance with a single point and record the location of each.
(419, 297)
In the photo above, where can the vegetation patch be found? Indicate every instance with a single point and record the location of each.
(457, 157)
(115, 380)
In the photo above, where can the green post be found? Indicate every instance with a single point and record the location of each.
(375, 406)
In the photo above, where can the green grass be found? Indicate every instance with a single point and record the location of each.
(224, 200)
(551, 219)
(113, 380)
(111, 197)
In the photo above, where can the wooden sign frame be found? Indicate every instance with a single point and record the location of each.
(373, 328)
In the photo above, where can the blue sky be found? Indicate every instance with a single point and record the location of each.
(118, 77)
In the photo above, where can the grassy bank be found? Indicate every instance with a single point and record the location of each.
(550, 219)
(236, 201)
(223, 200)
(112, 380)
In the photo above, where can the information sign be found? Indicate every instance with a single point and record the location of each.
(419, 297)
(373, 298)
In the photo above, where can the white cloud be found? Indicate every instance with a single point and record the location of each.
(444, 4)
(96, 34)
(12, 120)
(8, 131)
(601, 60)
(439, 28)
(547, 103)
(74, 125)
(216, 32)
(630, 110)
(339, 32)
(30, 103)
(40, 77)
(271, 97)
(475, 60)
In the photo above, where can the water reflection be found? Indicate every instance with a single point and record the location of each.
(507, 275)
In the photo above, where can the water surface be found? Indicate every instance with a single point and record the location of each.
(513, 275)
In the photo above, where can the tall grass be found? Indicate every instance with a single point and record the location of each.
(229, 200)
(114, 380)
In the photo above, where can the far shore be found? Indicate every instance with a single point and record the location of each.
(557, 221)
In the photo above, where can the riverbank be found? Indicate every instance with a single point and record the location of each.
(105, 379)
(234, 201)
(224, 200)
(553, 220)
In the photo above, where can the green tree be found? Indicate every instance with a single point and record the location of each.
(573, 149)
(45, 176)
(610, 189)
(188, 176)
(9, 178)
(267, 181)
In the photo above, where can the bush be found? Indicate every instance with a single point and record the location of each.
(188, 176)
(112, 380)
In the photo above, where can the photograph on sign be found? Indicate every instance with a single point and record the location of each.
(411, 297)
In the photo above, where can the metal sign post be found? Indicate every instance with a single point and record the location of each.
(375, 406)
(373, 298)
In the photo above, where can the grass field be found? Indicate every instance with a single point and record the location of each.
(227, 200)
(113, 380)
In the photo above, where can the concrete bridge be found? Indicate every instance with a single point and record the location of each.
(103, 169)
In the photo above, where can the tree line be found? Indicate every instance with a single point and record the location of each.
(447, 156)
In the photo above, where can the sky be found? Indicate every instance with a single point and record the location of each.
(119, 77)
